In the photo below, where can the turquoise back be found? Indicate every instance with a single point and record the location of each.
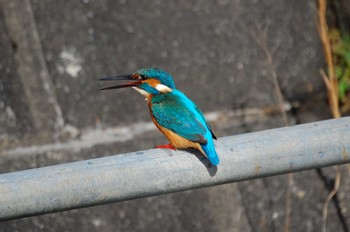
(179, 114)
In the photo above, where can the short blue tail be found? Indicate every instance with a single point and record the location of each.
(209, 150)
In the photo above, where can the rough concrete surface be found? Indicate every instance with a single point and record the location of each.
(51, 110)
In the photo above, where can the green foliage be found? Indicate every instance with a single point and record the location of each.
(340, 43)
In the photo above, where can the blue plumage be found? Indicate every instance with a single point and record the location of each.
(173, 113)
(176, 112)
(156, 73)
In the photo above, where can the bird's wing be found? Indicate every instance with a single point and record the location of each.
(180, 115)
(204, 120)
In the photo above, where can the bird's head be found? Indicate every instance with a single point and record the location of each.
(147, 81)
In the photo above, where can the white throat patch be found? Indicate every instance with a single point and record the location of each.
(143, 92)
(163, 88)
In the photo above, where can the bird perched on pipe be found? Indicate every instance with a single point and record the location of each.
(174, 114)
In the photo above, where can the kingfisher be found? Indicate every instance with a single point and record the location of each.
(173, 113)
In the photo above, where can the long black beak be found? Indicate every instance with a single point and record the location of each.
(118, 78)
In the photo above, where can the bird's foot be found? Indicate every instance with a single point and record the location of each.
(166, 146)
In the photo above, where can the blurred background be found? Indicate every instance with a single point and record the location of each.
(245, 63)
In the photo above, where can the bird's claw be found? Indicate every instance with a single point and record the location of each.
(166, 146)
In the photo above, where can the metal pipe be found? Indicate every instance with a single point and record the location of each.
(158, 171)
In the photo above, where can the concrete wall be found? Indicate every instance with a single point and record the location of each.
(51, 110)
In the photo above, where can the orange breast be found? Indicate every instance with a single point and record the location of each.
(176, 140)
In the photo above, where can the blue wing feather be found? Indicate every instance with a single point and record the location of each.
(179, 114)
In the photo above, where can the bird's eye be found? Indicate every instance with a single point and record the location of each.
(137, 76)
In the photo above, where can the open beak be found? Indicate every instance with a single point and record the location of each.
(133, 83)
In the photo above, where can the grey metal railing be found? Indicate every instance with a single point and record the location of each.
(158, 171)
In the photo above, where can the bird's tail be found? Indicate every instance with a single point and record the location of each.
(210, 152)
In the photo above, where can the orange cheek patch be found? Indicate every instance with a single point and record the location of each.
(153, 82)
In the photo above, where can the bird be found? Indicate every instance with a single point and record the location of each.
(173, 113)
